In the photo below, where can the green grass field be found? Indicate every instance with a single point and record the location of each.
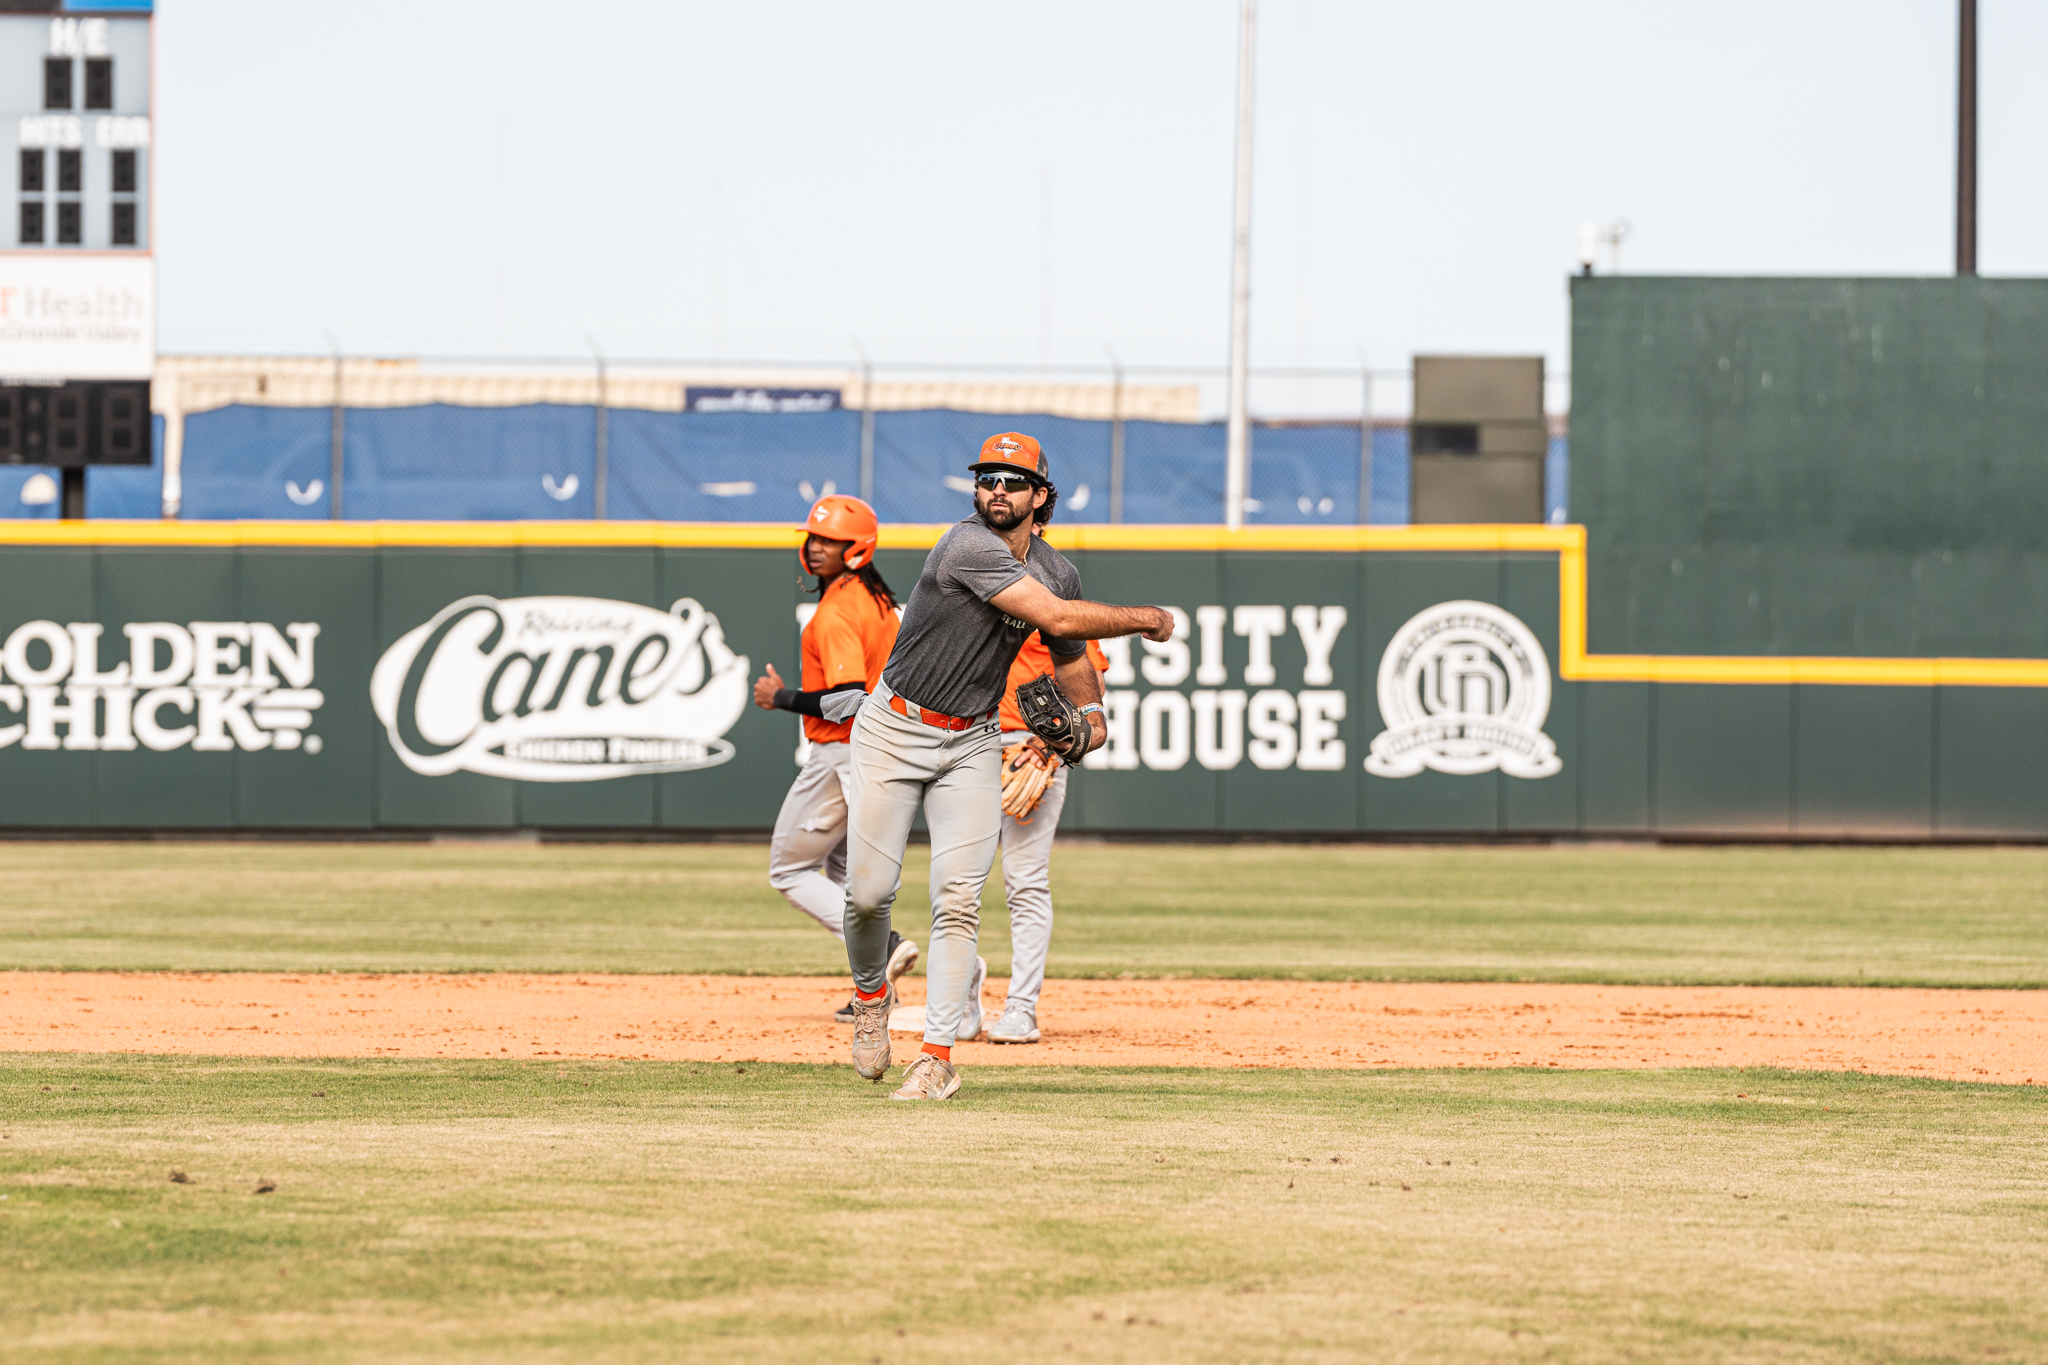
(598, 1212)
(500, 1211)
(1944, 917)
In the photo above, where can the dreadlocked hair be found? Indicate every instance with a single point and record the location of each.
(870, 578)
(1043, 514)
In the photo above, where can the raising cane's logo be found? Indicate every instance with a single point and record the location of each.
(560, 689)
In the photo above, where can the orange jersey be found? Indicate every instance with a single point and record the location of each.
(848, 640)
(1034, 660)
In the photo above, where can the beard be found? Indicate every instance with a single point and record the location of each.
(1006, 516)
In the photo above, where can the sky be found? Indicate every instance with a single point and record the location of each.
(1029, 185)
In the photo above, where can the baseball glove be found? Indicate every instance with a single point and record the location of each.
(1027, 772)
(1058, 722)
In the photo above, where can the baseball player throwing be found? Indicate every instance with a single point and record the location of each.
(845, 644)
(928, 736)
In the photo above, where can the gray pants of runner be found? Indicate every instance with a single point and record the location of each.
(899, 763)
(807, 856)
(1027, 884)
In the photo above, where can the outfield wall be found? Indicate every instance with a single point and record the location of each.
(1424, 680)
(1813, 466)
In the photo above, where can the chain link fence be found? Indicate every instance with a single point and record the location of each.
(553, 439)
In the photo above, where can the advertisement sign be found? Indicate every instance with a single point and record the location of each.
(77, 317)
(1464, 688)
(358, 677)
(560, 689)
(759, 400)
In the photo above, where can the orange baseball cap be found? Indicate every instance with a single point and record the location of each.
(1013, 452)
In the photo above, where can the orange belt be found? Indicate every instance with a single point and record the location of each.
(912, 711)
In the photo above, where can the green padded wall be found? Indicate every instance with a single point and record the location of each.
(1812, 466)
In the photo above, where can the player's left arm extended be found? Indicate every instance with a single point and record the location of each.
(1083, 685)
(1030, 600)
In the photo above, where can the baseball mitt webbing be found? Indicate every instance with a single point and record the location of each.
(1048, 714)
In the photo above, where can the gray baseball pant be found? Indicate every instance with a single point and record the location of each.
(1027, 884)
(900, 763)
(807, 856)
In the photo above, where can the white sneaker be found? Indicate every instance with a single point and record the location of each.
(970, 1018)
(928, 1078)
(902, 957)
(1018, 1024)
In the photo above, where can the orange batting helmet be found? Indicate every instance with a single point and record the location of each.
(839, 517)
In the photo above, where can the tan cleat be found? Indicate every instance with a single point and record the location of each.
(928, 1078)
(871, 1035)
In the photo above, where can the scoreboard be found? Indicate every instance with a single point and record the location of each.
(77, 280)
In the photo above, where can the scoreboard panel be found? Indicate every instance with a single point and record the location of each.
(75, 130)
(77, 282)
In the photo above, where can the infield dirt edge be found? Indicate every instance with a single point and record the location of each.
(1983, 1035)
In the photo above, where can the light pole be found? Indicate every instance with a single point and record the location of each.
(1966, 141)
(1237, 457)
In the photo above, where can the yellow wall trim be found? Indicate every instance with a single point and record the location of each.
(772, 535)
(1567, 542)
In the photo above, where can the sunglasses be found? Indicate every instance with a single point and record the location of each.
(1003, 483)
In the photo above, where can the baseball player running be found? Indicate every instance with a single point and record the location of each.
(1034, 792)
(845, 643)
(928, 736)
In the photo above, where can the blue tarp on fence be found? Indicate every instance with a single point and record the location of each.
(538, 462)
(270, 463)
(727, 466)
(447, 463)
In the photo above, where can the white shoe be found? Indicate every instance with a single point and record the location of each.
(970, 1018)
(902, 957)
(928, 1078)
(1018, 1024)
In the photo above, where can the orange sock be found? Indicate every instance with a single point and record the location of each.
(870, 995)
(944, 1054)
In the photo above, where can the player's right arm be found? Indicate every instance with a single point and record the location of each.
(771, 695)
(835, 636)
(1030, 600)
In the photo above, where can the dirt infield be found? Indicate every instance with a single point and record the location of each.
(1986, 1035)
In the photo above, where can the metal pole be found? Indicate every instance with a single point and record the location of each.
(1116, 437)
(601, 468)
(867, 426)
(173, 399)
(1237, 458)
(336, 440)
(1966, 142)
(1365, 446)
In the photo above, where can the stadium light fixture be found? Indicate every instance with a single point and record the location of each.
(1237, 459)
(1592, 235)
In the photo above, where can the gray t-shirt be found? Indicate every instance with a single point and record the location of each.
(954, 650)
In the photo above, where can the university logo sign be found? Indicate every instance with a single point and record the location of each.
(1464, 688)
(560, 689)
